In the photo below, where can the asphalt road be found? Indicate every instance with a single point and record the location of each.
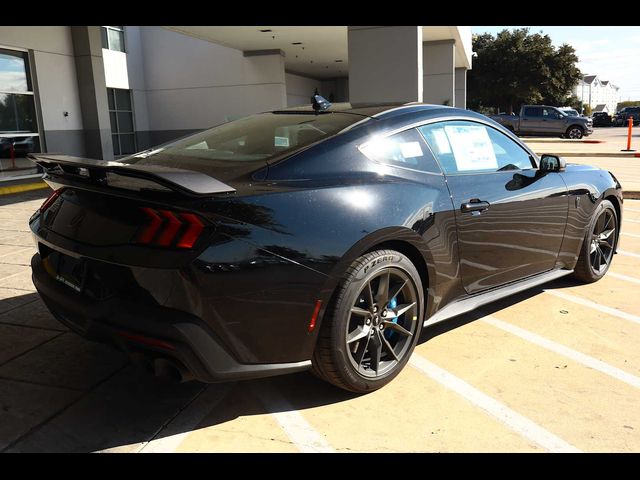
(556, 368)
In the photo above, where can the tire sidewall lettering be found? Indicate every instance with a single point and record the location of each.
(385, 259)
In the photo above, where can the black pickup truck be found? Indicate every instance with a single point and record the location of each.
(541, 120)
(621, 118)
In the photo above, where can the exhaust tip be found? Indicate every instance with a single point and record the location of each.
(161, 368)
(164, 368)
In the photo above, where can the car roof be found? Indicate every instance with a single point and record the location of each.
(373, 110)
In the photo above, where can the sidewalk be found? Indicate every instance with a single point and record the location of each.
(607, 155)
(605, 142)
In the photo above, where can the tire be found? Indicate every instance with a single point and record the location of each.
(354, 350)
(575, 132)
(590, 267)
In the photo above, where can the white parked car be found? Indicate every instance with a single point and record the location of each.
(572, 112)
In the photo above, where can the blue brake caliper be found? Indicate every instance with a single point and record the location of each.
(388, 333)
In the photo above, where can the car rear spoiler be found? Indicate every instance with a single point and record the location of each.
(184, 181)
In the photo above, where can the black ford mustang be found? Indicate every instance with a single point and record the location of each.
(322, 238)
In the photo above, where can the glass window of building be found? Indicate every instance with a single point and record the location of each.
(122, 126)
(113, 38)
(18, 124)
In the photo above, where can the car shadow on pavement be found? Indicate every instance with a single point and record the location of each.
(62, 393)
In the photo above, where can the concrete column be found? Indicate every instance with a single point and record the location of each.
(385, 64)
(461, 87)
(439, 66)
(270, 63)
(87, 47)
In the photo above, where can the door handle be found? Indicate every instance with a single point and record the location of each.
(474, 205)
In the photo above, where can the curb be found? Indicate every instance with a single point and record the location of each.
(25, 187)
(596, 154)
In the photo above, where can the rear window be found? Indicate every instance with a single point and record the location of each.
(258, 137)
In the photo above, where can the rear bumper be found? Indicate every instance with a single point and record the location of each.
(154, 330)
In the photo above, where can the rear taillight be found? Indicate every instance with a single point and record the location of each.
(164, 228)
(194, 230)
(50, 199)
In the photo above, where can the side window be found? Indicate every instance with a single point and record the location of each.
(532, 111)
(550, 113)
(405, 149)
(469, 147)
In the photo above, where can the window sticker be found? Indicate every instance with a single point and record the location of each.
(379, 149)
(442, 143)
(472, 148)
(281, 142)
(198, 146)
(410, 149)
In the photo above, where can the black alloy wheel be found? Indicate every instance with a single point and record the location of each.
(602, 243)
(382, 323)
(373, 323)
(599, 244)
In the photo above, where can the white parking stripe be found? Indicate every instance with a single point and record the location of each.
(629, 254)
(574, 355)
(13, 275)
(300, 432)
(596, 306)
(627, 209)
(516, 422)
(626, 278)
(630, 234)
(22, 250)
(632, 221)
(186, 421)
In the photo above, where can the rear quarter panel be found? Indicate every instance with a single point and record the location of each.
(283, 248)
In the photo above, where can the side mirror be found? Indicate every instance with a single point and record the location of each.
(552, 163)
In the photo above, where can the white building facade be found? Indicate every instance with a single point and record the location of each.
(601, 95)
(104, 92)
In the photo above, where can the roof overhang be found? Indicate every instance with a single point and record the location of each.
(315, 51)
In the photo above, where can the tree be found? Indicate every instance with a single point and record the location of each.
(516, 67)
(586, 110)
(628, 103)
(574, 102)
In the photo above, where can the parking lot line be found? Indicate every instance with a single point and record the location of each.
(627, 209)
(596, 306)
(626, 278)
(186, 421)
(16, 252)
(300, 432)
(634, 235)
(632, 221)
(574, 355)
(414, 413)
(509, 417)
(12, 275)
(629, 254)
(566, 398)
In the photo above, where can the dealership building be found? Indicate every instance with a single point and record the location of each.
(107, 91)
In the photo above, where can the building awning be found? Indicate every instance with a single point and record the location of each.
(315, 51)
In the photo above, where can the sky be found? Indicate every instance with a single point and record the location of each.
(612, 53)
